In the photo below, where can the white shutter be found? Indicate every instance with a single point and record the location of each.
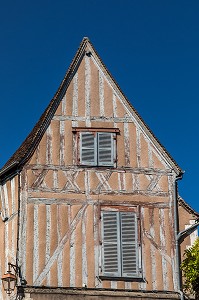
(111, 265)
(129, 247)
(88, 153)
(105, 149)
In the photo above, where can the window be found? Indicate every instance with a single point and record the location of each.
(120, 248)
(97, 148)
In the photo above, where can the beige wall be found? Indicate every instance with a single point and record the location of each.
(63, 206)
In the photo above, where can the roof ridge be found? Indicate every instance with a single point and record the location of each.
(26, 149)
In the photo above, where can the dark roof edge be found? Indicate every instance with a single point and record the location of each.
(139, 118)
(28, 146)
(30, 143)
(187, 207)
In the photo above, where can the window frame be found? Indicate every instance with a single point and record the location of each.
(97, 133)
(120, 275)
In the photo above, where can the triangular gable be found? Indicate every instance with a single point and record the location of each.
(26, 150)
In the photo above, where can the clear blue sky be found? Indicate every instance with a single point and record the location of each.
(151, 47)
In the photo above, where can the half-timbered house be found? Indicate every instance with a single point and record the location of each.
(89, 204)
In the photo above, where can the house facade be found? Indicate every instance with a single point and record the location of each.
(89, 205)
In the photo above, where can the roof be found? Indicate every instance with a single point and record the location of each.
(188, 208)
(27, 148)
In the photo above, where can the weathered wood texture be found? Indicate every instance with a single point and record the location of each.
(8, 228)
(59, 221)
(63, 199)
(87, 294)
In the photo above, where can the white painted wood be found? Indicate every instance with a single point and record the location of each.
(49, 145)
(37, 154)
(87, 90)
(126, 144)
(163, 247)
(36, 243)
(103, 179)
(138, 147)
(136, 182)
(13, 195)
(55, 179)
(13, 239)
(114, 106)
(66, 237)
(62, 143)
(6, 200)
(171, 180)
(64, 105)
(3, 208)
(60, 256)
(72, 254)
(84, 251)
(6, 245)
(150, 155)
(134, 118)
(142, 285)
(114, 284)
(119, 182)
(75, 99)
(98, 283)
(153, 253)
(127, 285)
(101, 93)
(1, 274)
(48, 230)
(22, 222)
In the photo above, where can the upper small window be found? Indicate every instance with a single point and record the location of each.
(97, 148)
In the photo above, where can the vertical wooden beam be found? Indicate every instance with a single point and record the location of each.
(126, 144)
(60, 256)
(62, 143)
(37, 154)
(97, 257)
(13, 238)
(5, 191)
(48, 230)
(171, 180)
(150, 154)
(36, 243)
(13, 194)
(49, 145)
(152, 249)
(138, 144)
(3, 208)
(142, 285)
(6, 240)
(55, 179)
(75, 99)
(22, 222)
(72, 253)
(101, 93)
(87, 90)
(64, 105)
(163, 246)
(84, 251)
(1, 274)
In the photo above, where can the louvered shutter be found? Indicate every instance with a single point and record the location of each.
(105, 149)
(88, 153)
(129, 247)
(111, 265)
